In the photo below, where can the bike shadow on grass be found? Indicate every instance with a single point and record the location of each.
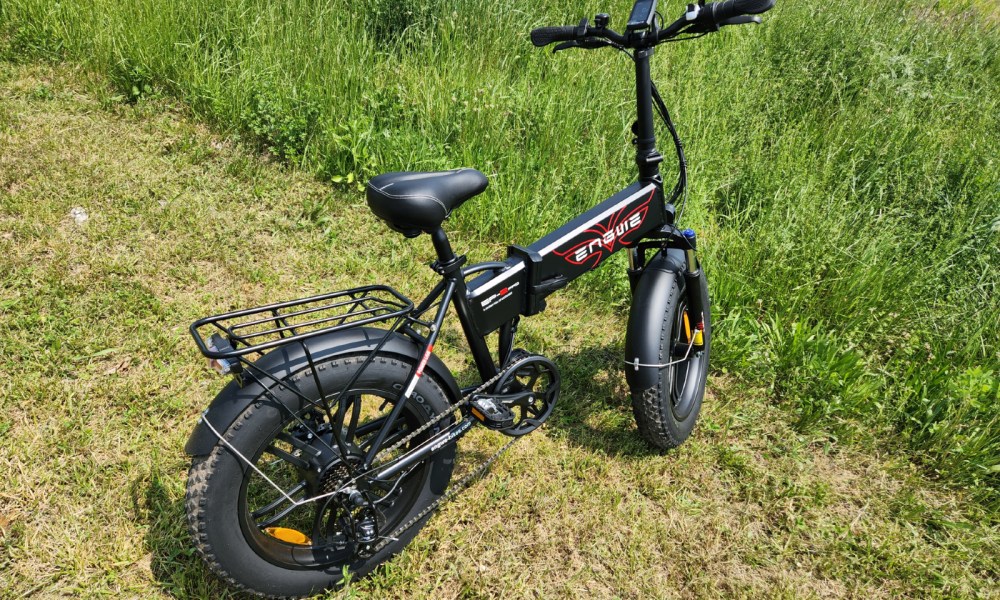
(175, 564)
(594, 410)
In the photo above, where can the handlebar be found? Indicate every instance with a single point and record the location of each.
(714, 15)
(734, 8)
(702, 19)
(543, 36)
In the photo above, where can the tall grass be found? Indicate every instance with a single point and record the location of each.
(844, 165)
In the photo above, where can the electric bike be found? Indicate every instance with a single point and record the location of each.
(336, 437)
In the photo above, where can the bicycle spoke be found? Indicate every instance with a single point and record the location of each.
(342, 411)
(317, 531)
(325, 521)
(398, 431)
(390, 439)
(299, 444)
(270, 508)
(369, 427)
(278, 517)
(355, 417)
(291, 459)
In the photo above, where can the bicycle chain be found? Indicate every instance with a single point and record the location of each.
(465, 400)
(464, 482)
(447, 495)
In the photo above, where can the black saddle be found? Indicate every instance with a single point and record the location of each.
(411, 202)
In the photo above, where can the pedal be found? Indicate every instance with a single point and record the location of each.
(489, 412)
(529, 388)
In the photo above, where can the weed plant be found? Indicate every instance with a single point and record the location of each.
(844, 166)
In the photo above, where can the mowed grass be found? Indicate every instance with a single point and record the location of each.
(100, 386)
(843, 166)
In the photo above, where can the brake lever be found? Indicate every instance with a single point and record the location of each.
(585, 43)
(741, 20)
(565, 46)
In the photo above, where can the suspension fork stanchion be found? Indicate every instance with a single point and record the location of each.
(634, 261)
(397, 410)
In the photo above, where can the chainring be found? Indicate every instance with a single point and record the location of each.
(535, 374)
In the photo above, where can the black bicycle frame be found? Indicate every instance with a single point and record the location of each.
(517, 287)
(531, 273)
(498, 294)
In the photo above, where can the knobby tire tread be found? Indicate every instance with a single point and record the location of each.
(203, 467)
(194, 501)
(650, 405)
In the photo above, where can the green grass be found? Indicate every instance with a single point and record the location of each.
(100, 385)
(845, 189)
(843, 164)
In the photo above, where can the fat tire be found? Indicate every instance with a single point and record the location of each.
(214, 482)
(653, 406)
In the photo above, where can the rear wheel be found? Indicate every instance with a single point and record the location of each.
(257, 526)
(667, 412)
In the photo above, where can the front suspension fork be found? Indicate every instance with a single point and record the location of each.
(693, 276)
(686, 241)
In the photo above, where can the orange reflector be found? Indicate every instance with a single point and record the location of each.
(687, 328)
(289, 536)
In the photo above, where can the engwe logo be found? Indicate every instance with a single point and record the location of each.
(600, 240)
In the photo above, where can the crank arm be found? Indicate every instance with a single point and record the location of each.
(513, 399)
(429, 447)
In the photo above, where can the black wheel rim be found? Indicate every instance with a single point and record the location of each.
(287, 456)
(682, 380)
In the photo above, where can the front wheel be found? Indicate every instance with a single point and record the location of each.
(666, 406)
(250, 501)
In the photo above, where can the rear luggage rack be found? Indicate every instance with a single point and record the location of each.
(255, 330)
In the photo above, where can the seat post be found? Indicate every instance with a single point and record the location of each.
(443, 247)
(450, 267)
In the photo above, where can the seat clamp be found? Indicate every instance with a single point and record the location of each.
(449, 267)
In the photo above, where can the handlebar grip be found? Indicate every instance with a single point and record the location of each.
(543, 36)
(734, 8)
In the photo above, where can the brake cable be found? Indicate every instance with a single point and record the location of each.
(680, 190)
(681, 187)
